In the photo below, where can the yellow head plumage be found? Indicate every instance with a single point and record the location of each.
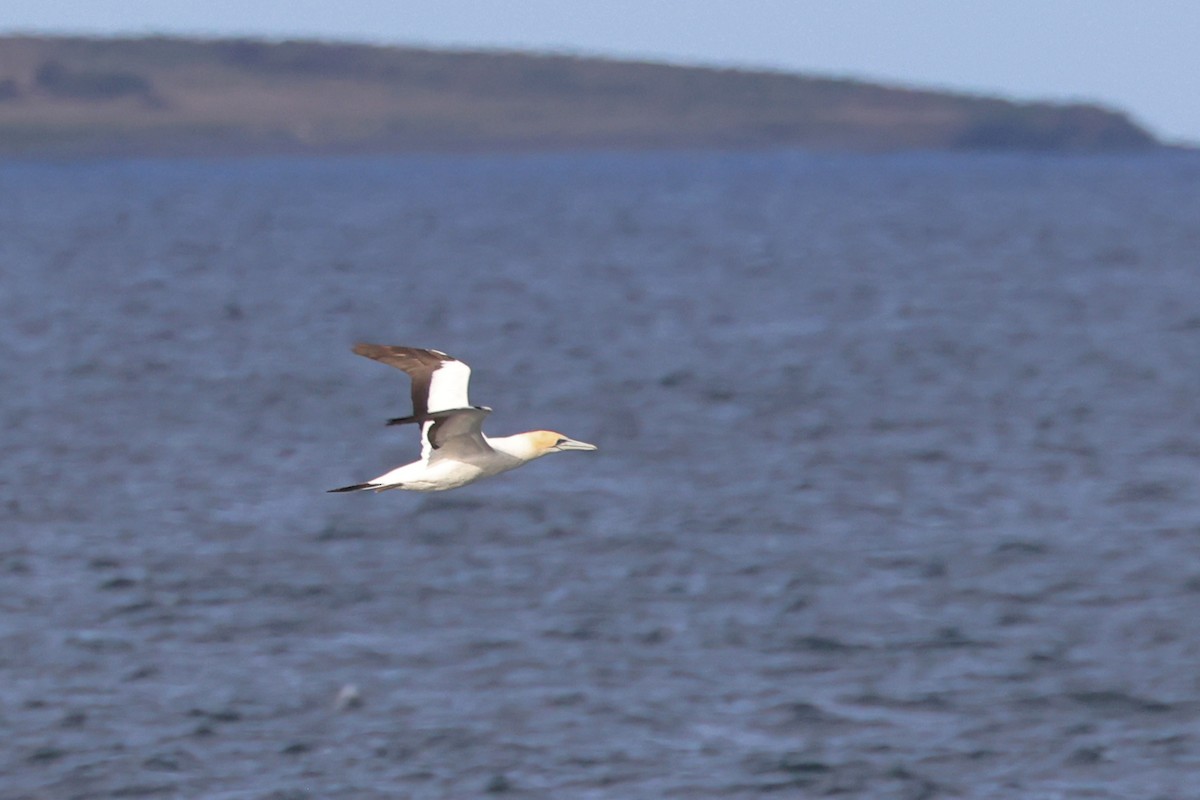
(545, 442)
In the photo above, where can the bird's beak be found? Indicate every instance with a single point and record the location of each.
(571, 444)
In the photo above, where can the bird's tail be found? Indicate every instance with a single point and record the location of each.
(405, 420)
(358, 487)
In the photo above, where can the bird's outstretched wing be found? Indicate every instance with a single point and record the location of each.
(457, 434)
(439, 383)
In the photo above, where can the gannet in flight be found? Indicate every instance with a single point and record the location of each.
(454, 451)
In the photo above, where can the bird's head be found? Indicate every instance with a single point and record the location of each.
(546, 442)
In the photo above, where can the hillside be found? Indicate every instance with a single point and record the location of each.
(69, 96)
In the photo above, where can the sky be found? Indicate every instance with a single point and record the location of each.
(1140, 57)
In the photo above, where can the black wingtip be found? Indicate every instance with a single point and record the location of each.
(356, 487)
(434, 416)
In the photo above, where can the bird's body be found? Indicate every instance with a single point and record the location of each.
(454, 451)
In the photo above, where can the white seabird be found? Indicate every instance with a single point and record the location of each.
(454, 451)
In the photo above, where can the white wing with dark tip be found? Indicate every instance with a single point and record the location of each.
(439, 383)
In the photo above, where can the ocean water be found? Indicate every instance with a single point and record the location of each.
(896, 494)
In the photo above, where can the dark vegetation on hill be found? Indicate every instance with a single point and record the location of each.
(181, 96)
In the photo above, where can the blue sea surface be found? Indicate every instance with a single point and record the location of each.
(897, 495)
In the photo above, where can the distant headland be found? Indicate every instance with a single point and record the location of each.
(68, 96)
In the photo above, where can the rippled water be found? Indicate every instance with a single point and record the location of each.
(896, 496)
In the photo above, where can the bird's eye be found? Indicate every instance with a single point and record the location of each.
(560, 442)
